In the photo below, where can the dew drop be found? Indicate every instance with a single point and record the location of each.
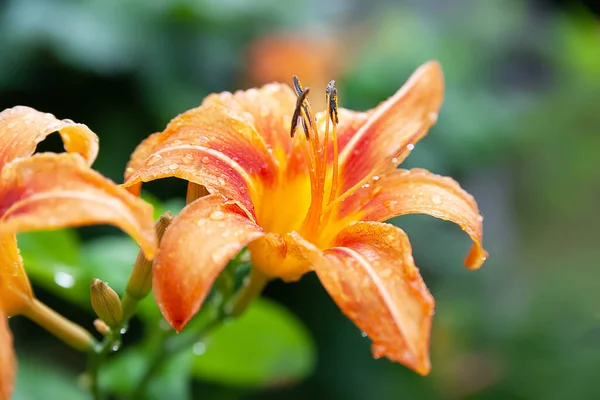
(217, 215)
(173, 166)
(365, 186)
(199, 348)
(64, 279)
(394, 160)
(270, 150)
(410, 147)
(363, 334)
(187, 159)
(154, 158)
(221, 180)
(480, 218)
(115, 348)
(205, 160)
(376, 178)
(436, 199)
(386, 273)
(433, 116)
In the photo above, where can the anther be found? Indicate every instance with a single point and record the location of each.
(332, 98)
(298, 110)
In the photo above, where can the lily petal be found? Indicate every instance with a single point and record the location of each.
(52, 191)
(7, 359)
(22, 128)
(196, 247)
(381, 142)
(211, 146)
(418, 191)
(271, 108)
(14, 284)
(371, 275)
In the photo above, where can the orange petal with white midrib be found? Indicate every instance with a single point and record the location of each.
(419, 191)
(380, 143)
(196, 247)
(8, 363)
(210, 146)
(15, 290)
(22, 128)
(52, 191)
(370, 274)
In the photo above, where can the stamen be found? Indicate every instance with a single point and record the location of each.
(332, 110)
(317, 153)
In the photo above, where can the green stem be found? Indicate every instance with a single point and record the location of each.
(254, 285)
(172, 346)
(67, 331)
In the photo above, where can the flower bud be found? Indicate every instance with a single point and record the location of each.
(106, 303)
(140, 280)
(101, 327)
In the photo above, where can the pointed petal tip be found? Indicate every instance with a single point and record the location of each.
(178, 324)
(418, 362)
(476, 257)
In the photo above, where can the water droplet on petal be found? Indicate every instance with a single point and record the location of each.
(154, 158)
(436, 199)
(205, 160)
(410, 147)
(376, 178)
(173, 166)
(394, 160)
(386, 273)
(221, 180)
(480, 218)
(433, 116)
(217, 215)
(187, 159)
(363, 334)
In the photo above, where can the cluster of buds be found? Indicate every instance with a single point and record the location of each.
(111, 311)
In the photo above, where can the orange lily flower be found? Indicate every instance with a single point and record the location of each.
(51, 191)
(312, 202)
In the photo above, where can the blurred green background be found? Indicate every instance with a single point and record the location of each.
(519, 130)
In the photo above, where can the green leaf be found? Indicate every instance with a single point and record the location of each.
(41, 380)
(51, 258)
(111, 259)
(266, 346)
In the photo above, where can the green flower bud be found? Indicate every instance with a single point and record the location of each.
(106, 303)
(140, 280)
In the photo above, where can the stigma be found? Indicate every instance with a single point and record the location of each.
(316, 147)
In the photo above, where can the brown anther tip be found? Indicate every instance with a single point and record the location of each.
(298, 112)
(297, 85)
(332, 99)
